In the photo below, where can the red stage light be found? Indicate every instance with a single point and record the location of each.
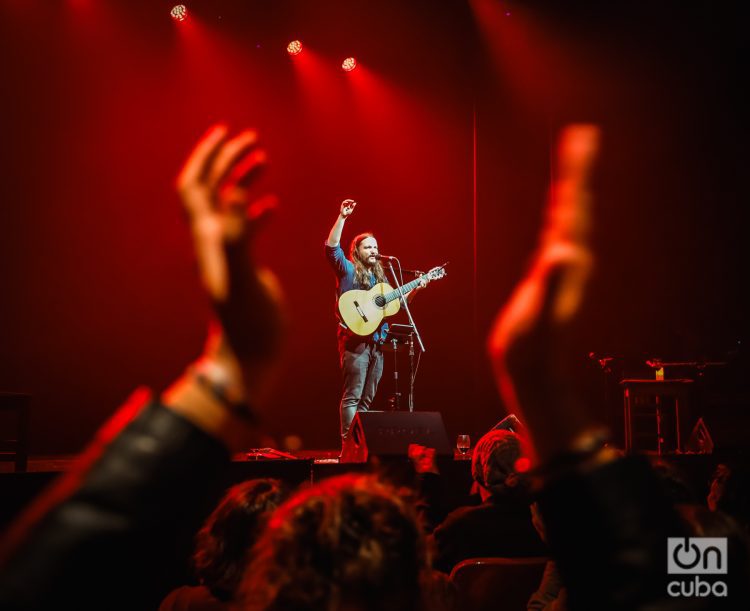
(349, 64)
(179, 12)
(294, 47)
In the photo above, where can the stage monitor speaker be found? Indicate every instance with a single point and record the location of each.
(390, 433)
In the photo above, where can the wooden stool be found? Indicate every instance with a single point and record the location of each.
(648, 396)
(16, 449)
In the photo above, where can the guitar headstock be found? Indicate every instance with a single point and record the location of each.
(436, 272)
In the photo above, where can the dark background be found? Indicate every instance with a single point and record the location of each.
(443, 135)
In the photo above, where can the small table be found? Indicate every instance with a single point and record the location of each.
(636, 394)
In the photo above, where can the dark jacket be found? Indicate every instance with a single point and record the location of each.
(113, 531)
(499, 527)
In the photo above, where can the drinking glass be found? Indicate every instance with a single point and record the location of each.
(463, 443)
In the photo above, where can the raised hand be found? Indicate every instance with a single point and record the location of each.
(527, 342)
(347, 207)
(423, 458)
(241, 352)
(214, 187)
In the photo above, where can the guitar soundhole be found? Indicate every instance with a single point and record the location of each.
(379, 301)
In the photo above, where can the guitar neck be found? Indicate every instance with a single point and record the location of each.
(406, 288)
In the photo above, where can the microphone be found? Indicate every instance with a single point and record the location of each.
(602, 360)
(388, 257)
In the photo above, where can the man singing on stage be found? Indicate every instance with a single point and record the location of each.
(360, 356)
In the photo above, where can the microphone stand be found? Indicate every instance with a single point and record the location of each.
(402, 298)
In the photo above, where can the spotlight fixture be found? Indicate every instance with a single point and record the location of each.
(294, 47)
(179, 12)
(349, 64)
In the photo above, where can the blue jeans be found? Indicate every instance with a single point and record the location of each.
(362, 366)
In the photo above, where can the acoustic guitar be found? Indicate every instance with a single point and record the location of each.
(363, 311)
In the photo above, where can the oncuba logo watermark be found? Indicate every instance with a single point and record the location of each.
(697, 556)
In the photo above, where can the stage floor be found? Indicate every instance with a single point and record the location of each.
(299, 468)
(62, 462)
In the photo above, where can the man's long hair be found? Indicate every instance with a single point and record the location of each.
(361, 270)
